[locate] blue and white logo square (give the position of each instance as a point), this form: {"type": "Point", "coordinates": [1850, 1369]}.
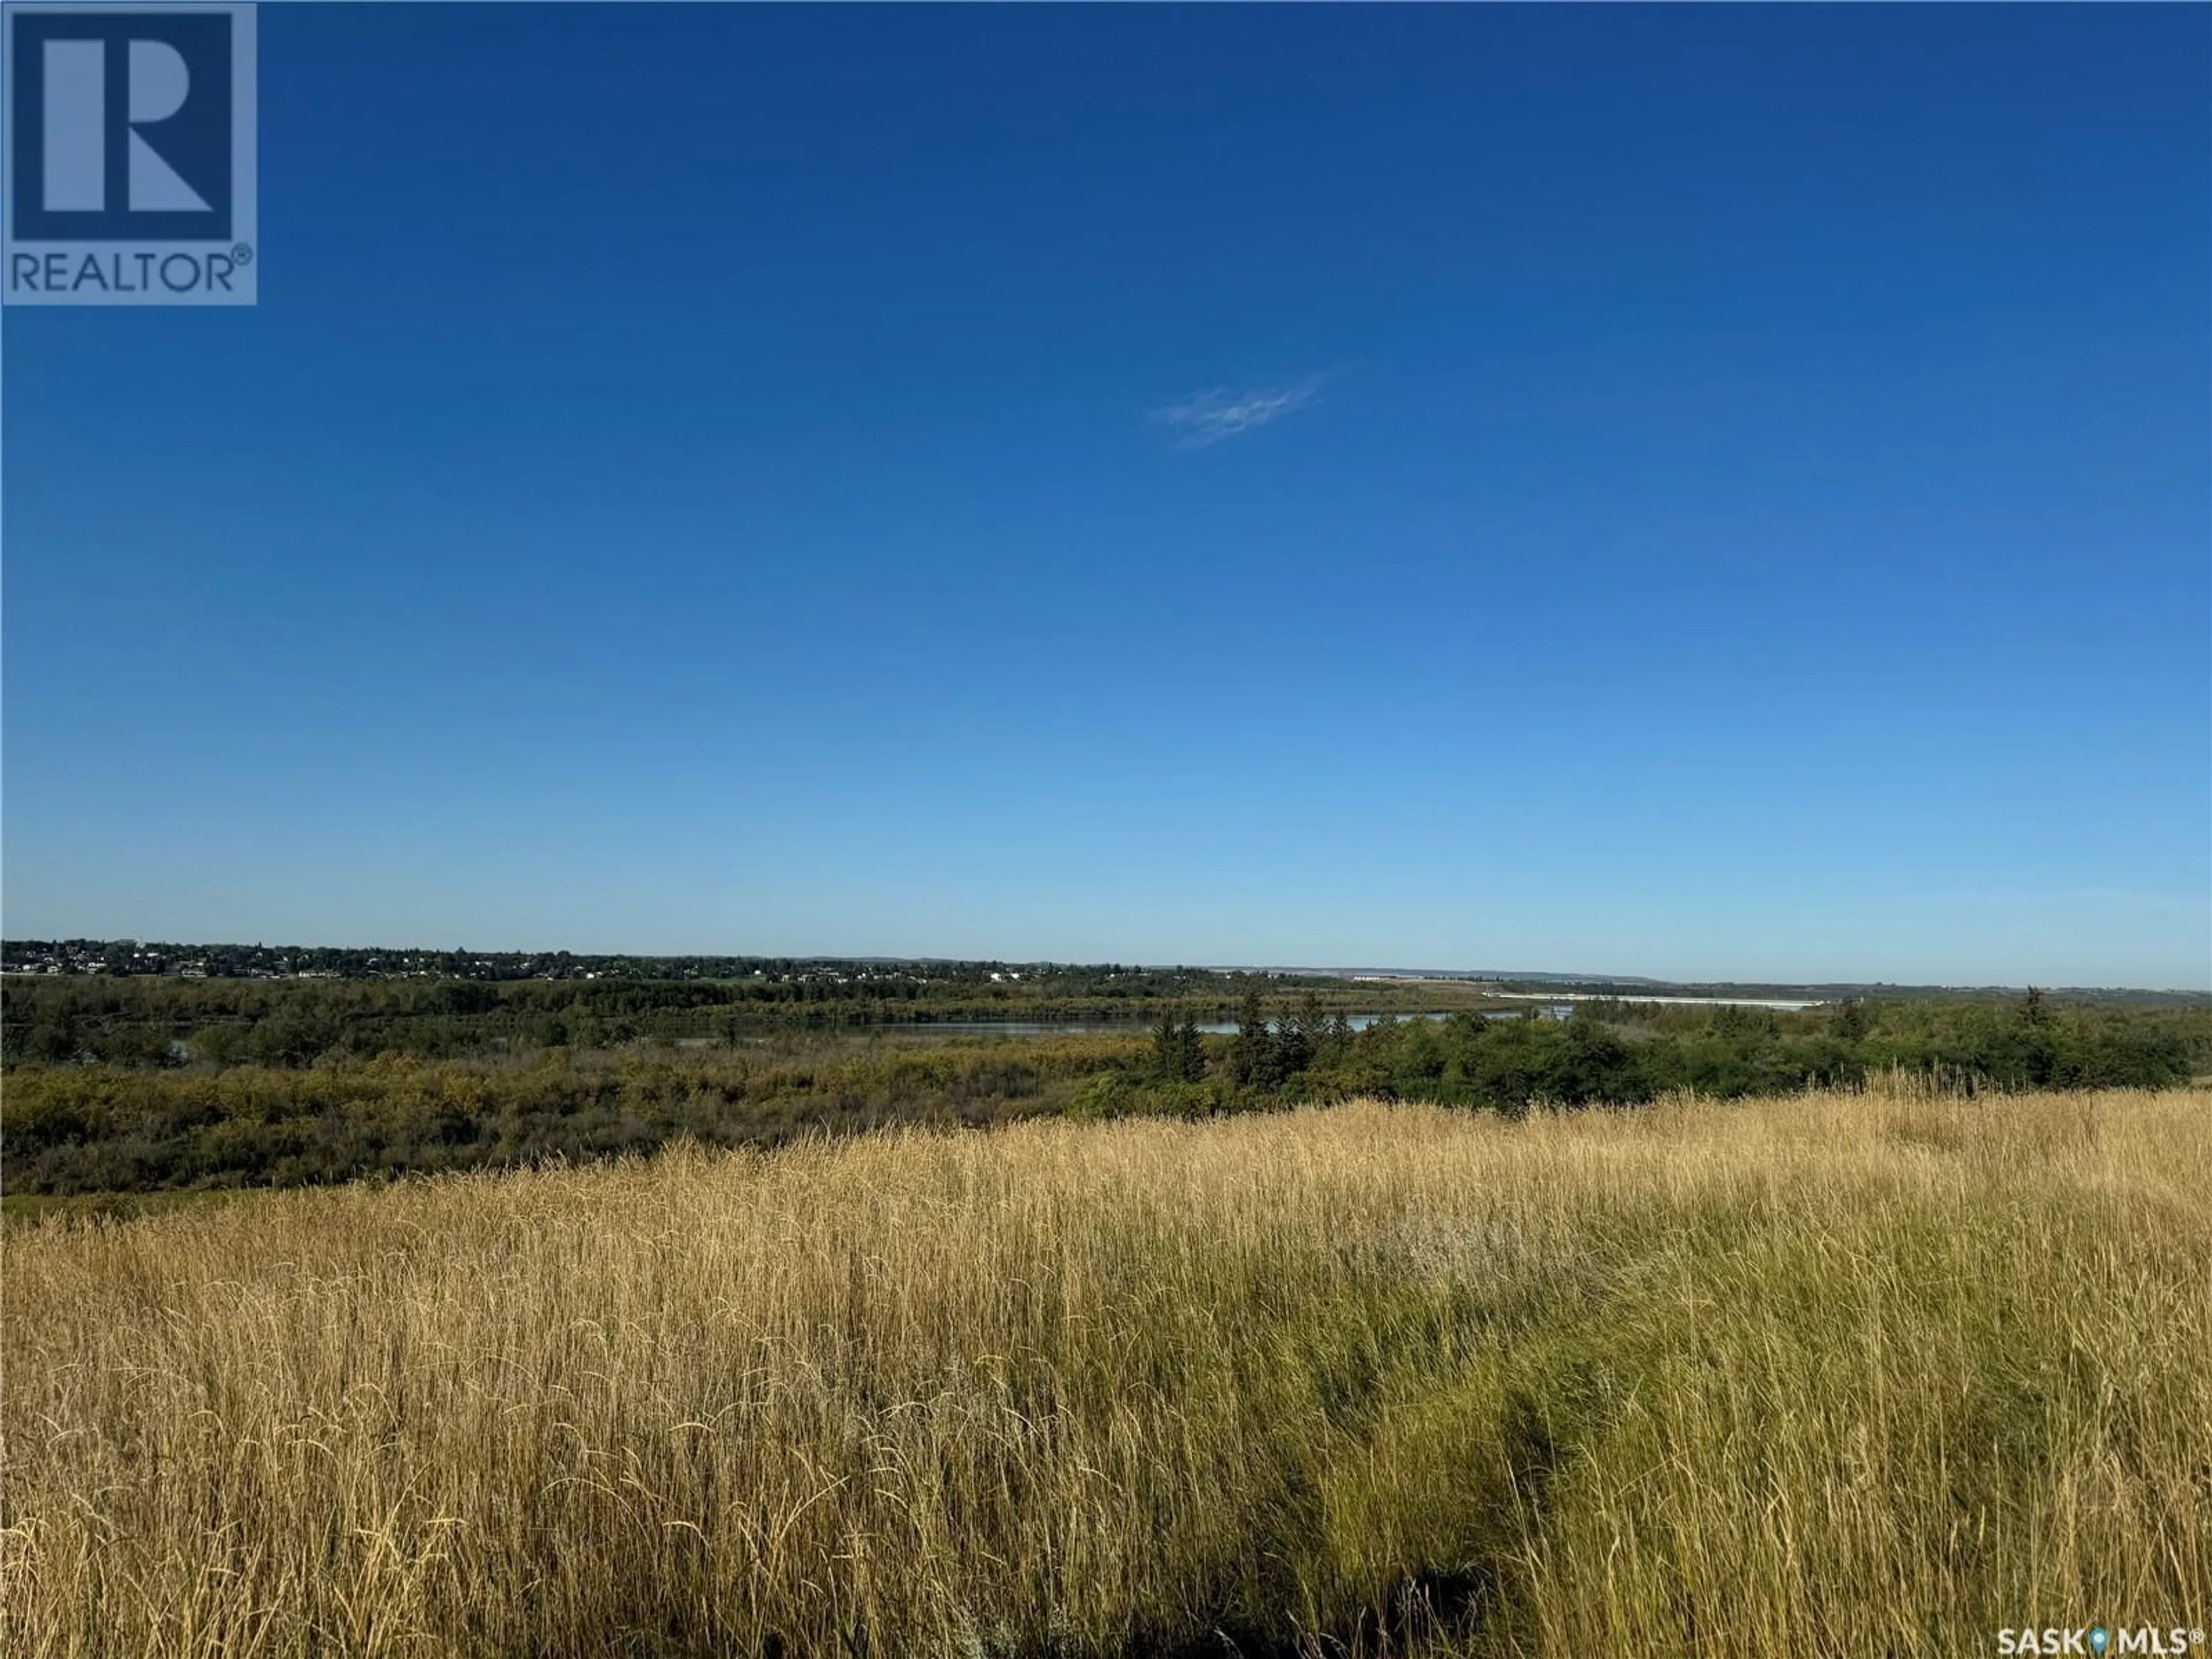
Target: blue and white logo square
{"type": "Point", "coordinates": [130, 155]}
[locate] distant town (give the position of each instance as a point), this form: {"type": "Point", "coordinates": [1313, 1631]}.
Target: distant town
{"type": "Point", "coordinates": [896, 976]}
{"type": "Point", "coordinates": [126, 957]}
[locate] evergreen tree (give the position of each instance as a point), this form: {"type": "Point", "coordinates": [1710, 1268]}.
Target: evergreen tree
{"type": "Point", "coordinates": [1336, 1035]}
{"type": "Point", "coordinates": [1190, 1049]}
{"type": "Point", "coordinates": [1295, 1036]}
{"type": "Point", "coordinates": [1178, 1051]}
{"type": "Point", "coordinates": [1252, 1057]}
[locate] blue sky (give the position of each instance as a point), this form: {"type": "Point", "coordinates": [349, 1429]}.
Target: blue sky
{"type": "Point", "coordinates": [1712, 492]}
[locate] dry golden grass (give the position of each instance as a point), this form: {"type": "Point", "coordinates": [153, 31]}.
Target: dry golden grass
{"type": "Point", "coordinates": [1840, 1375]}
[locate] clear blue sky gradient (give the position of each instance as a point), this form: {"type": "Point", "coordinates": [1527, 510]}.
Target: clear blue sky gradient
{"type": "Point", "coordinates": [696, 481]}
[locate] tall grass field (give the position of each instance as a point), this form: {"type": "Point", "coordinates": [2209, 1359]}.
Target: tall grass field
{"type": "Point", "coordinates": [1852, 1374]}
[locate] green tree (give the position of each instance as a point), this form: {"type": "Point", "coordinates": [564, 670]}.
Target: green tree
{"type": "Point", "coordinates": [1178, 1055]}
{"type": "Point", "coordinates": [1252, 1055]}
{"type": "Point", "coordinates": [1296, 1034]}
{"type": "Point", "coordinates": [53, 1040]}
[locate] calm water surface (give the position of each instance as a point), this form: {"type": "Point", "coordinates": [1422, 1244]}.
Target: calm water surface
{"type": "Point", "coordinates": [1548, 1007]}
{"type": "Point", "coordinates": [1125, 1027]}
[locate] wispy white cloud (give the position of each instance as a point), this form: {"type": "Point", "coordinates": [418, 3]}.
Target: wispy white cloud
{"type": "Point", "coordinates": [1207, 417]}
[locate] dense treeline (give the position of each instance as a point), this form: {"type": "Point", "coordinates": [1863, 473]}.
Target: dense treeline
{"type": "Point", "coordinates": [150, 1020]}
{"type": "Point", "coordinates": [80, 1127]}
{"type": "Point", "coordinates": [106, 1129]}
{"type": "Point", "coordinates": [1624, 1053]}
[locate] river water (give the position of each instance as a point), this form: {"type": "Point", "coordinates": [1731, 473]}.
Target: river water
{"type": "Point", "coordinates": [1556, 1006]}
{"type": "Point", "coordinates": [1126, 1027]}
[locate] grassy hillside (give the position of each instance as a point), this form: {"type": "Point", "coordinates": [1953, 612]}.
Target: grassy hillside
{"type": "Point", "coordinates": [1845, 1373]}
